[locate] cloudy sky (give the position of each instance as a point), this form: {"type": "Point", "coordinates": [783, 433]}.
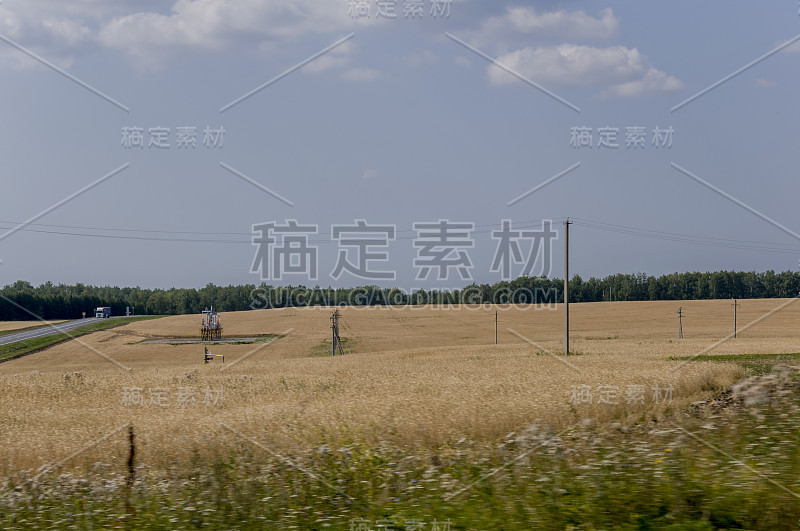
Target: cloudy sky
{"type": "Point", "coordinates": [333, 111]}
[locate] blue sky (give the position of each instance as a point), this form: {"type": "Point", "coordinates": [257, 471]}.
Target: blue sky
{"type": "Point", "coordinates": [398, 124]}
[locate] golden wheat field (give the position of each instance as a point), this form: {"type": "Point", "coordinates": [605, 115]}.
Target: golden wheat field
{"type": "Point", "coordinates": [411, 376]}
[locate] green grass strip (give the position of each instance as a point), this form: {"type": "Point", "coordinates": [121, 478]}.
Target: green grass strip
{"type": "Point", "coordinates": [29, 346]}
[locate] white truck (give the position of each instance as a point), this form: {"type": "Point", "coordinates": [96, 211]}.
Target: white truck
{"type": "Point", "coordinates": [104, 312]}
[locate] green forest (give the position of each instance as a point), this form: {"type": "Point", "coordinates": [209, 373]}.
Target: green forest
{"type": "Point", "coordinates": [23, 301]}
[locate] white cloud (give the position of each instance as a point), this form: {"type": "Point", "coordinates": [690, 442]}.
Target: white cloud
{"type": "Point", "coordinates": [564, 24]}
{"type": "Point", "coordinates": [463, 61]}
{"type": "Point", "coordinates": [55, 30]}
{"type": "Point", "coordinates": [161, 31]}
{"type": "Point", "coordinates": [56, 40]}
{"type": "Point", "coordinates": [220, 24]}
{"type": "Point", "coordinates": [370, 174]}
{"type": "Point", "coordinates": [653, 81]}
{"type": "Point", "coordinates": [362, 75]}
{"type": "Point", "coordinates": [64, 30]}
{"type": "Point", "coordinates": [765, 83]}
{"type": "Point", "coordinates": [622, 71]}
{"type": "Point", "coordinates": [561, 25]}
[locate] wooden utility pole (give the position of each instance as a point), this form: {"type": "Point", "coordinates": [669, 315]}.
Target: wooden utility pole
{"type": "Point", "coordinates": [566, 286]}
{"type": "Point", "coordinates": [680, 322]}
{"type": "Point", "coordinates": [735, 305]}
{"type": "Point", "coordinates": [495, 327]}
{"type": "Point", "coordinates": [131, 479]}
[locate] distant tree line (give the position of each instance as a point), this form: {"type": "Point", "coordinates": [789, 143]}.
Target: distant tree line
{"type": "Point", "coordinates": [686, 286]}
{"type": "Point", "coordinates": [51, 301]}
{"type": "Point", "coordinates": [61, 301]}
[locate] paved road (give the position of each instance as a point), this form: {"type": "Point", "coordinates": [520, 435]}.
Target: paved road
{"type": "Point", "coordinates": [46, 331]}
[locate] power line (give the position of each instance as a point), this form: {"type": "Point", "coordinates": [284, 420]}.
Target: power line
{"type": "Point", "coordinates": [744, 245]}
{"type": "Point", "coordinates": [143, 231]}
{"type": "Point", "coordinates": [679, 234]}
{"type": "Point", "coordinates": [407, 234]}
{"type": "Point", "coordinates": [520, 225]}
{"type": "Point", "coordinates": [123, 237]}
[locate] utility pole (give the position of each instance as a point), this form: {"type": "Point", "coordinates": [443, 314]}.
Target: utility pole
{"type": "Point", "coordinates": [495, 327]}
{"type": "Point", "coordinates": [566, 286]}
{"type": "Point", "coordinates": [735, 305]}
{"type": "Point", "coordinates": [335, 341]}
{"type": "Point", "coordinates": [680, 322]}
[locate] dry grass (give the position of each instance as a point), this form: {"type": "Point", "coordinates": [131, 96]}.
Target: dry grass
{"type": "Point", "coordinates": [418, 377]}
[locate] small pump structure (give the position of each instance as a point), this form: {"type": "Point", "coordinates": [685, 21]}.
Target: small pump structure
{"type": "Point", "coordinates": [207, 356]}
{"type": "Point", "coordinates": [211, 326]}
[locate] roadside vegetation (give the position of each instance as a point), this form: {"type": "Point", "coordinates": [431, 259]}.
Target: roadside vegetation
{"type": "Point", "coordinates": [729, 462]}
{"type": "Point", "coordinates": [29, 346]}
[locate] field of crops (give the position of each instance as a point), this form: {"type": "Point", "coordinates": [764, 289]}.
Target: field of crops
{"type": "Point", "coordinates": [415, 377]}
{"type": "Point", "coordinates": [423, 417]}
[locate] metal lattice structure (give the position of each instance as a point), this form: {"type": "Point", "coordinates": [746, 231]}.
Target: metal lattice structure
{"type": "Point", "coordinates": [211, 326]}
{"type": "Point", "coordinates": [336, 342]}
